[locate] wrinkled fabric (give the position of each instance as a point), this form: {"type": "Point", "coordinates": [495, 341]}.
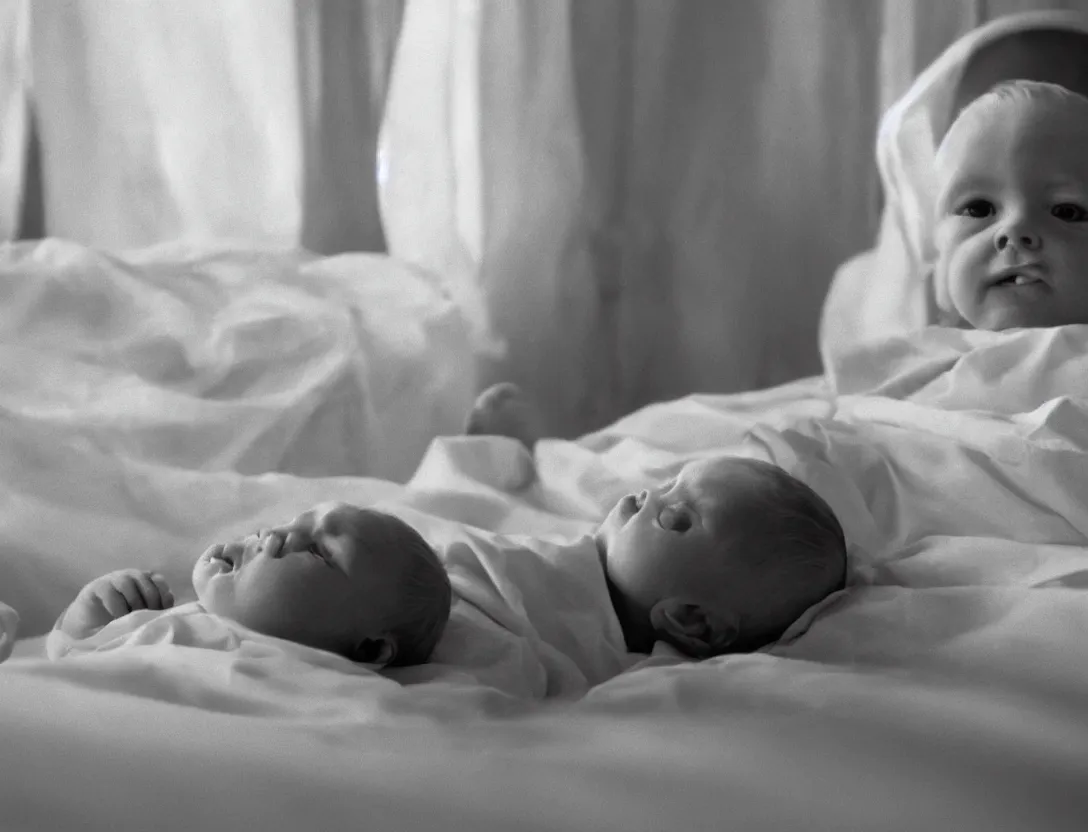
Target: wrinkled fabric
{"type": "Point", "coordinates": [235, 357]}
{"type": "Point", "coordinates": [945, 688]}
{"type": "Point", "coordinates": [1008, 372]}
{"type": "Point", "coordinates": [531, 618]}
{"type": "Point", "coordinates": [889, 290]}
{"type": "Point", "coordinates": [190, 625]}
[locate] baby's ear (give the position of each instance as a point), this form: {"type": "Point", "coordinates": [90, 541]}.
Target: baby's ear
{"type": "Point", "coordinates": [380, 651]}
{"type": "Point", "coordinates": [695, 630]}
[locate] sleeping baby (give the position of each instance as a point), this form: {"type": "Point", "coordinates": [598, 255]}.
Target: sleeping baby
{"type": "Point", "coordinates": [1012, 211]}
{"type": "Point", "coordinates": [355, 582]}
{"type": "Point", "coordinates": [722, 558]}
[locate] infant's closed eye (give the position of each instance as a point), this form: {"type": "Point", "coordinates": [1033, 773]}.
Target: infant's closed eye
{"type": "Point", "coordinates": [674, 519]}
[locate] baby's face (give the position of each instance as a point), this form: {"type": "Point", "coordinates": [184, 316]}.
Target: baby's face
{"type": "Point", "coordinates": [307, 581]}
{"type": "Point", "coordinates": [661, 541]}
{"type": "Point", "coordinates": [1012, 220]}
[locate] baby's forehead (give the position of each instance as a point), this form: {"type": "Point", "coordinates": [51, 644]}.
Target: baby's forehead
{"type": "Point", "coordinates": [721, 469]}
{"type": "Point", "coordinates": [726, 481]}
{"type": "Point", "coordinates": [346, 528]}
{"type": "Point", "coordinates": [334, 518]}
{"type": "Point", "coordinates": [359, 538]}
{"type": "Point", "coordinates": [1020, 114]}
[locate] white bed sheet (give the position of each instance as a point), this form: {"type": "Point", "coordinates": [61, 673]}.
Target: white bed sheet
{"type": "Point", "coordinates": [946, 689]}
{"type": "Point", "coordinates": [231, 357]}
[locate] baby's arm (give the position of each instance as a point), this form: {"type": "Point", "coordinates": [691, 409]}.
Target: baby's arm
{"type": "Point", "coordinates": [112, 596]}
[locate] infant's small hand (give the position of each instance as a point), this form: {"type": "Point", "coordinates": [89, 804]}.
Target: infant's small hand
{"type": "Point", "coordinates": [128, 590]}
{"type": "Point", "coordinates": [113, 596]}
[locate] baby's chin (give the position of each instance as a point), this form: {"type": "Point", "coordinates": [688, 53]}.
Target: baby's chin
{"type": "Point", "coordinates": [600, 539]}
{"type": "Point", "coordinates": [204, 570]}
{"type": "Point", "coordinates": [605, 534]}
{"type": "Point", "coordinates": [1001, 319]}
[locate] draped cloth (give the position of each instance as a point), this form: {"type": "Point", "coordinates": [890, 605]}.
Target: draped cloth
{"type": "Point", "coordinates": [889, 289]}
{"type": "Point", "coordinates": [14, 86]}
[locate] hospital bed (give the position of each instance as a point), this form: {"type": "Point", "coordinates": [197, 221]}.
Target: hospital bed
{"type": "Point", "coordinates": [946, 688]}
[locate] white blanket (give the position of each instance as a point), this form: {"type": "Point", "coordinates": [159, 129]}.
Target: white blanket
{"type": "Point", "coordinates": [234, 358]}
{"type": "Point", "coordinates": [946, 689]}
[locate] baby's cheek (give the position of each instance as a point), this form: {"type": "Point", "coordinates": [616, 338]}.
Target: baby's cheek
{"type": "Point", "coordinates": [941, 234]}
{"type": "Point", "coordinates": [962, 261]}
{"type": "Point", "coordinates": [214, 596]}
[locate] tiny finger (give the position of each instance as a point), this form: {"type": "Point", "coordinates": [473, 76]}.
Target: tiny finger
{"type": "Point", "coordinates": [165, 595]}
{"type": "Point", "coordinates": [131, 592]}
{"type": "Point", "coordinates": [113, 601]}
{"type": "Point", "coordinates": [149, 590]}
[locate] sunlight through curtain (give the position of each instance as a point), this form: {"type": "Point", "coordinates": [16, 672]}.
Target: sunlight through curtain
{"type": "Point", "coordinates": [652, 195]}
{"type": "Point", "coordinates": [647, 198]}
{"type": "Point", "coordinates": [212, 119]}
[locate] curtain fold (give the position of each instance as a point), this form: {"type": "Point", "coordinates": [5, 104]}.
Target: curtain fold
{"type": "Point", "coordinates": [651, 196]}
{"type": "Point", "coordinates": [345, 51]}
{"type": "Point", "coordinates": [14, 113]}
{"type": "Point", "coordinates": [639, 198]}
{"type": "Point", "coordinates": [483, 182]}
{"type": "Point", "coordinates": [167, 120]}
{"type": "Point", "coordinates": [212, 119]}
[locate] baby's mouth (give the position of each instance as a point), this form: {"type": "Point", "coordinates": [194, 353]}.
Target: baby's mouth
{"type": "Point", "coordinates": [632, 504]}
{"type": "Point", "coordinates": [230, 554]}
{"type": "Point", "coordinates": [223, 557]}
{"type": "Point", "coordinates": [1017, 280]}
{"type": "Point", "coordinates": [1025, 275]}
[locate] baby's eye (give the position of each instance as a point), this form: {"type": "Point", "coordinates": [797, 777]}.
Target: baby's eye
{"type": "Point", "coordinates": [977, 208]}
{"type": "Point", "coordinates": [315, 550]}
{"type": "Point", "coordinates": [1069, 212]}
{"type": "Point", "coordinates": [674, 519]}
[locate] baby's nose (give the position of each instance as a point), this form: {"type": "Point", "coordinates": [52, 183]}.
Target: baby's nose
{"type": "Point", "coordinates": [1020, 237]}
{"type": "Point", "coordinates": [292, 541]}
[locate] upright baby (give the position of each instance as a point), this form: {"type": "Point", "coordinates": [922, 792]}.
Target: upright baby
{"type": "Point", "coordinates": [1012, 208]}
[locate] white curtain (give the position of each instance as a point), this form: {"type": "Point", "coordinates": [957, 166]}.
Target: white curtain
{"type": "Point", "coordinates": [14, 105]}
{"type": "Point", "coordinates": [202, 119]}
{"type": "Point", "coordinates": [651, 195]}
{"type": "Point", "coordinates": [165, 120]}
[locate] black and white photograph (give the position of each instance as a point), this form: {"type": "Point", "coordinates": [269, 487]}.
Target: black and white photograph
{"type": "Point", "coordinates": [544, 415]}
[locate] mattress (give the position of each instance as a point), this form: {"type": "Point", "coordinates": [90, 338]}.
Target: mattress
{"type": "Point", "coordinates": [945, 688]}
